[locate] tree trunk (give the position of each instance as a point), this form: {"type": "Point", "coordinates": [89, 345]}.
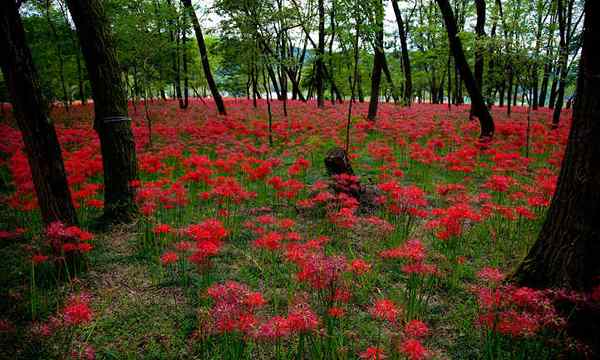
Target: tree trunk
{"type": "Point", "coordinates": [566, 251]}
{"type": "Point", "coordinates": [405, 58]}
{"type": "Point", "coordinates": [480, 109]}
{"type": "Point", "coordinates": [186, 82]}
{"type": "Point", "coordinates": [378, 61]}
{"type": "Point", "coordinates": [319, 73]}
{"type": "Point", "coordinates": [388, 77]}
{"type": "Point", "coordinates": [110, 104]}
{"type": "Point", "coordinates": [480, 32]}
{"type": "Point", "coordinates": [204, 57]}
{"type": "Point", "coordinates": [31, 112]}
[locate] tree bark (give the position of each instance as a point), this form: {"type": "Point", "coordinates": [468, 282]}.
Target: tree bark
{"type": "Point", "coordinates": [184, 55]}
{"type": "Point", "coordinates": [564, 15]}
{"type": "Point", "coordinates": [31, 112]}
{"type": "Point", "coordinates": [204, 57]}
{"type": "Point", "coordinates": [480, 109]}
{"type": "Point", "coordinates": [319, 73]}
{"type": "Point", "coordinates": [378, 61]}
{"type": "Point", "coordinates": [110, 104]}
{"type": "Point", "coordinates": [405, 58]}
{"type": "Point", "coordinates": [480, 32]}
{"type": "Point", "coordinates": [566, 251]}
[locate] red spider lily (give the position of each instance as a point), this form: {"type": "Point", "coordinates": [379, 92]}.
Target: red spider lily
{"type": "Point", "coordinates": [77, 311]}
{"type": "Point", "coordinates": [411, 250]}
{"type": "Point", "coordinates": [413, 349]}
{"type": "Point", "coordinates": [234, 307]}
{"type": "Point", "coordinates": [385, 309]}
{"type": "Point", "coordinates": [360, 266]}
{"type": "Point", "coordinates": [270, 241]}
{"type": "Point", "coordinates": [162, 229]}
{"type": "Point", "coordinates": [416, 329]}
{"type": "Point", "coordinates": [320, 271]}
{"type": "Point", "coordinates": [372, 353]}
{"type": "Point", "coordinates": [491, 274]}
{"type": "Point", "coordinates": [302, 319]}
{"type": "Point", "coordinates": [336, 312]}
{"type": "Point", "coordinates": [168, 258]}
{"type": "Point", "coordinates": [39, 259]}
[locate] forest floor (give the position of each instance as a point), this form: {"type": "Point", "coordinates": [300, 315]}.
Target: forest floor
{"type": "Point", "coordinates": [243, 250]}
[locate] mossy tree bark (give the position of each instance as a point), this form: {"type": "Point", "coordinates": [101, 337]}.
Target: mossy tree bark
{"type": "Point", "coordinates": [31, 112]}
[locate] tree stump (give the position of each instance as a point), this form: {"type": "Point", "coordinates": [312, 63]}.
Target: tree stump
{"type": "Point", "coordinates": [337, 162]}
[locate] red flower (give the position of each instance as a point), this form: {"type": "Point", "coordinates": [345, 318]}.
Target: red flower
{"type": "Point", "coordinates": [491, 274]}
{"type": "Point", "coordinates": [413, 349]}
{"type": "Point", "coordinates": [77, 312]}
{"type": "Point", "coordinates": [39, 258]}
{"type": "Point", "coordinates": [416, 329]}
{"type": "Point", "coordinates": [162, 229]}
{"type": "Point", "coordinates": [372, 353]}
{"type": "Point", "coordinates": [168, 258]}
{"type": "Point", "coordinates": [360, 266]}
{"type": "Point", "coordinates": [336, 312]}
{"type": "Point", "coordinates": [385, 309]}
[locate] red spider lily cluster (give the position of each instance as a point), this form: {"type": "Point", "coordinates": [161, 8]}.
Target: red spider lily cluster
{"type": "Point", "coordinates": [206, 179]}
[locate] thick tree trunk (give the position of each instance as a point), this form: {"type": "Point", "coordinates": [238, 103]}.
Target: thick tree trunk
{"type": "Point", "coordinates": [566, 252]}
{"type": "Point", "coordinates": [480, 109]}
{"type": "Point", "coordinates": [31, 112]}
{"type": "Point", "coordinates": [110, 104]}
{"type": "Point", "coordinates": [204, 57]}
{"type": "Point", "coordinates": [405, 58]}
{"type": "Point", "coordinates": [319, 73]}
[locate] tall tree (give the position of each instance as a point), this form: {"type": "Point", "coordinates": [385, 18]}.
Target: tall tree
{"type": "Point", "coordinates": [31, 112]}
{"type": "Point", "coordinates": [479, 108]}
{"type": "Point", "coordinates": [480, 32]}
{"type": "Point", "coordinates": [110, 105]}
{"type": "Point", "coordinates": [565, 254]}
{"type": "Point", "coordinates": [187, 4]}
{"type": "Point", "coordinates": [319, 64]}
{"type": "Point", "coordinates": [378, 61]}
{"type": "Point", "coordinates": [567, 248]}
{"type": "Point", "coordinates": [402, 32]}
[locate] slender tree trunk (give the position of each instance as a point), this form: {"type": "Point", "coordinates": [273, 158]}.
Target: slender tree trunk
{"type": "Point", "coordinates": [405, 58]}
{"type": "Point", "coordinates": [174, 38]}
{"type": "Point", "coordinates": [509, 96]}
{"type": "Point", "coordinates": [544, 86]}
{"type": "Point", "coordinates": [319, 73]}
{"type": "Point", "coordinates": [388, 77]}
{"type": "Point", "coordinates": [566, 252]}
{"type": "Point", "coordinates": [31, 112]}
{"type": "Point", "coordinates": [59, 55]}
{"type": "Point", "coordinates": [379, 59]}
{"type": "Point", "coordinates": [273, 78]}
{"type": "Point", "coordinates": [479, 48]}
{"type": "Point", "coordinates": [204, 57]}
{"type": "Point", "coordinates": [481, 110]}
{"type": "Point", "coordinates": [361, 95]}
{"type": "Point", "coordinates": [186, 83]}
{"type": "Point", "coordinates": [553, 91]}
{"type": "Point", "coordinates": [110, 104]}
